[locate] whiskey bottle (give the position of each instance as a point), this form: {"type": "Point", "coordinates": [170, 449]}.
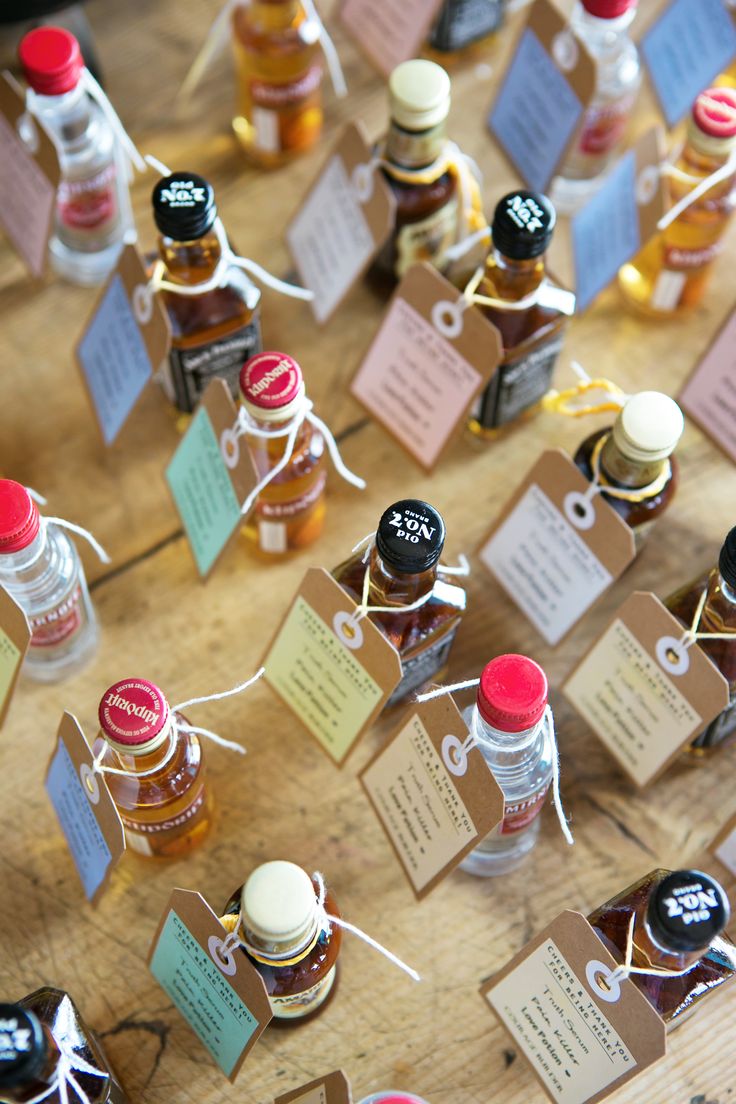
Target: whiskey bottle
{"type": "Point", "coordinates": [526, 306]}
{"type": "Point", "coordinates": [464, 23]}
{"type": "Point", "coordinates": [402, 569]}
{"type": "Point", "coordinates": [43, 1038]}
{"type": "Point", "coordinates": [212, 334]}
{"type": "Point", "coordinates": [678, 920]}
{"type": "Point", "coordinates": [670, 274]}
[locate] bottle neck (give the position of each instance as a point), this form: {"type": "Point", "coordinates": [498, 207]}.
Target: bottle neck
{"type": "Point", "coordinates": [601, 36]}
{"type": "Point", "coordinates": [68, 116]}
{"type": "Point", "coordinates": [625, 472]}
{"type": "Point", "coordinates": [525, 742]}
{"type": "Point", "coordinates": [719, 611]}
{"type": "Point", "coordinates": [284, 951]}
{"type": "Point", "coordinates": [273, 15]}
{"type": "Point", "coordinates": [139, 762]}
{"type": "Point", "coordinates": [514, 279]}
{"type": "Point", "coordinates": [649, 951]}
{"type": "Point", "coordinates": [390, 587]}
{"type": "Point", "coordinates": [414, 149]}
{"type": "Point", "coordinates": [192, 262]}
{"type": "Point", "coordinates": [31, 561]}
{"type": "Point", "coordinates": [702, 156]}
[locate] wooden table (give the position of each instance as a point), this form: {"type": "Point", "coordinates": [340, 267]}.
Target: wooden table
{"type": "Point", "coordinates": [285, 799]}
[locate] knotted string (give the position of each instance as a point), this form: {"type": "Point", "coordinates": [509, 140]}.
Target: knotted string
{"type": "Point", "coordinates": [701, 184]}
{"type": "Point", "coordinates": [363, 608]}
{"type": "Point", "coordinates": [62, 523]}
{"type": "Point", "coordinates": [546, 293]}
{"type": "Point", "coordinates": [69, 1063]}
{"type": "Point", "coordinates": [622, 972]}
{"type": "Point", "coordinates": [691, 636]}
{"type": "Point", "coordinates": [561, 402]}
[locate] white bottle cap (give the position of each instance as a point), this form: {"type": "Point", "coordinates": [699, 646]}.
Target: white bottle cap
{"type": "Point", "coordinates": [278, 902]}
{"type": "Point", "coordinates": [649, 427]}
{"type": "Point", "coordinates": [419, 93]}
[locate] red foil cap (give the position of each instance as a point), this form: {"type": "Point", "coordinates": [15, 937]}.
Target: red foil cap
{"type": "Point", "coordinates": [608, 9]}
{"type": "Point", "coordinates": [714, 112]}
{"type": "Point", "coordinates": [512, 694]}
{"type": "Point", "coordinates": [19, 520]}
{"type": "Point", "coordinates": [270, 380]}
{"type": "Point", "coordinates": [132, 712]}
{"type": "Point", "coordinates": [51, 60]}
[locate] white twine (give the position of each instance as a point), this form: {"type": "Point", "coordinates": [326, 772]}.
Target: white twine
{"type": "Point", "coordinates": [708, 182]}
{"type": "Point", "coordinates": [363, 608]}
{"type": "Point", "coordinates": [622, 972]}
{"type": "Point", "coordinates": [69, 1063]}
{"type": "Point", "coordinates": [691, 636]}
{"type": "Point", "coordinates": [563, 300]}
{"type": "Point", "coordinates": [158, 166]}
{"type": "Point", "coordinates": [81, 532]}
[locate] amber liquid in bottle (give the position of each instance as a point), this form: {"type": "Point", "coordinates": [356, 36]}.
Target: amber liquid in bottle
{"type": "Point", "coordinates": [279, 74]}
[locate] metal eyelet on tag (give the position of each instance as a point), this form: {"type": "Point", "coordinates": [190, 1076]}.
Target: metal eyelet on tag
{"type": "Point", "coordinates": [612, 991]}
{"type": "Point", "coordinates": [142, 303]}
{"type": "Point", "coordinates": [362, 181]}
{"type": "Point", "coordinates": [28, 132]}
{"type": "Point", "coordinates": [348, 630]}
{"type": "Point", "coordinates": [565, 50]}
{"type": "Point", "coordinates": [668, 647]}
{"type": "Point", "coordinates": [222, 956]}
{"type": "Point", "coordinates": [229, 448]}
{"type": "Point", "coordinates": [454, 755]}
{"type": "Point", "coordinates": [90, 783]}
{"type": "Point", "coordinates": [447, 318]}
{"type": "Point", "coordinates": [647, 185]}
{"type": "Point", "coordinates": [579, 510]}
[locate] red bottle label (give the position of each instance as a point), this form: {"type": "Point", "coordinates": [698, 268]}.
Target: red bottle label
{"type": "Point", "coordinates": [88, 203]}
{"type": "Point", "coordinates": [275, 96]}
{"type": "Point", "coordinates": [522, 813]}
{"type": "Point", "coordinates": [604, 126]}
{"type": "Point", "coordinates": [58, 624]}
{"type": "Point", "coordinates": [675, 257]}
{"type": "Point", "coordinates": [282, 511]}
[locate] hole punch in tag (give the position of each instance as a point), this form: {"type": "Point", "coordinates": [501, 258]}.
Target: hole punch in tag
{"type": "Point", "coordinates": [579, 510]}
{"type": "Point", "coordinates": [454, 755]}
{"type": "Point", "coordinates": [90, 783]}
{"type": "Point", "coordinates": [222, 955]}
{"type": "Point", "coordinates": [672, 656]}
{"type": "Point", "coordinates": [598, 976]}
{"type": "Point", "coordinates": [348, 630]}
{"type": "Point", "coordinates": [565, 50]}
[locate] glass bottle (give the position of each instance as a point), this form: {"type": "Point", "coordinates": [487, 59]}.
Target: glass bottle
{"type": "Point", "coordinates": [289, 513]}
{"type": "Point", "coordinates": [463, 23]}
{"type": "Point", "coordinates": [603, 28]}
{"type": "Point", "coordinates": [678, 920]}
{"type": "Point", "coordinates": [40, 568]}
{"type": "Point", "coordinates": [523, 224]}
{"type": "Point", "coordinates": [163, 798]}
{"type": "Point", "coordinates": [718, 616]}
{"type": "Point", "coordinates": [36, 1031]}
{"type": "Point", "coordinates": [635, 455]}
{"type": "Point", "coordinates": [670, 274]}
{"type": "Point", "coordinates": [279, 75]}
{"type": "Point", "coordinates": [212, 334]}
{"type": "Point", "coordinates": [277, 917]}
{"type": "Point", "coordinates": [92, 201]}
{"type": "Point", "coordinates": [515, 741]}
{"type": "Point", "coordinates": [403, 566]}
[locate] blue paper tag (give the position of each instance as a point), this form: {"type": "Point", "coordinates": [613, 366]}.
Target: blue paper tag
{"type": "Point", "coordinates": [87, 845]}
{"type": "Point", "coordinates": [690, 44]}
{"type": "Point", "coordinates": [605, 233]}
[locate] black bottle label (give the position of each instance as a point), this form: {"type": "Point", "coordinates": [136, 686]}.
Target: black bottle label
{"type": "Point", "coordinates": [192, 369]}
{"type": "Point", "coordinates": [420, 668]}
{"type": "Point", "coordinates": [517, 384]}
{"type": "Point", "coordinates": [461, 22]}
{"type": "Point", "coordinates": [718, 730]}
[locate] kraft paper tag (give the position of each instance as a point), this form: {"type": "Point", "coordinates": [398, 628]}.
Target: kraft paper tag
{"type": "Point", "coordinates": [29, 176]}
{"type": "Point", "coordinates": [644, 695]}
{"type": "Point", "coordinates": [210, 476]}
{"type": "Point", "coordinates": [709, 396]}
{"type": "Point", "coordinates": [389, 31]}
{"type": "Point", "coordinates": [342, 223]}
{"type": "Point", "coordinates": [690, 43]}
{"type": "Point", "coordinates": [723, 847]}
{"type": "Point", "coordinates": [126, 338]}
{"type": "Point", "coordinates": [547, 86]}
{"type": "Point", "coordinates": [553, 551]}
{"type": "Point", "coordinates": [334, 673]}
{"type": "Point", "coordinates": [84, 806]}
{"type": "Point", "coordinates": [217, 991]}
{"type": "Point", "coordinates": [15, 636]}
{"type": "Point", "coordinates": [620, 218]}
{"type": "Point", "coordinates": [581, 1040]}
{"type": "Point", "coordinates": [332, 1089]}
{"type": "Point", "coordinates": [435, 800]}
{"type": "Point", "coordinates": [426, 364]}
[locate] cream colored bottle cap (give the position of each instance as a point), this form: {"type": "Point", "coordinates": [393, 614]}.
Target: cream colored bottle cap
{"type": "Point", "coordinates": [419, 93]}
{"type": "Point", "coordinates": [649, 427]}
{"type": "Point", "coordinates": [278, 902]}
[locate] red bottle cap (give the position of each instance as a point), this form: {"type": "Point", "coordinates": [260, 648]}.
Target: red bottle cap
{"type": "Point", "coordinates": [51, 60]}
{"type": "Point", "coordinates": [512, 694]}
{"type": "Point", "coordinates": [608, 9]}
{"type": "Point", "coordinates": [714, 112]}
{"type": "Point", "coordinates": [270, 380]}
{"type": "Point", "coordinates": [132, 712]}
{"type": "Point", "coordinates": [19, 520]}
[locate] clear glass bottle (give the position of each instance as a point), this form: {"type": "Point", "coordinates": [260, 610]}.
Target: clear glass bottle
{"type": "Point", "coordinates": [289, 513]}
{"type": "Point", "coordinates": [37, 1030]}
{"type": "Point", "coordinates": [718, 616]}
{"type": "Point", "coordinates": [464, 23]}
{"type": "Point", "coordinates": [163, 798]}
{"type": "Point", "coordinates": [678, 920]}
{"type": "Point", "coordinates": [403, 566]}
{"type": "Point", "coordinates": [279, 73]}
{"type": "Point", "coordinates": [92, 202]}
{"type": "Point", "coordinates": [603, 27]}
{"type": "Point", "coordinates": [212, 334]}
{"type": "Point", "coordinates": [277, 917]}
{"type": "Point", "coordinates": [532, 336]}
{"type": "Point", "coordinates": [670, 274]}
{"type": "Point", "coordinates": [515, 741]}
{"type": "Point", "coordinates": [40, 568]}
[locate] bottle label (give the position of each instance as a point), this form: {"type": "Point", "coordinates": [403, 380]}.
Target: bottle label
{"type": "Point", "coordinates": [192, 369]}
{"type": "Point", "coordinates": [517, 385]}
{"type": "Point", "coordinates": [301, 1004]}
{"type": "Point", "coordinates": [680, 259]}
{"type": "Point", "coordinates": [284, 511]}
{"type": "Point", "coordinates": [419, 668]}
{"type": "Point", "coordinates": [604, 125]}
{"type": "Point", "coordinates": [426, 240]}
{"type": "Point", "coordinates": [141, 830]}
{"type": "Point", "coordinates": [462, 22]}
{"type": "Point", "coordinates": [89, 202]}
{"type": "Point", "coordinates": [59, 623]}
{"type": "Point", "coordinates": [519, 815]}
{"type": "Point", "coordinates": [277, 96]}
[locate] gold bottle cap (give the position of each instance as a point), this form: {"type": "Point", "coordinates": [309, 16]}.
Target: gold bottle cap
{"type": "Point", "coordinates": [278, 902]}
{"type": "Point", "coordinates": [419, 93]}
{"type": "Point", "coordinates": [649, 427]}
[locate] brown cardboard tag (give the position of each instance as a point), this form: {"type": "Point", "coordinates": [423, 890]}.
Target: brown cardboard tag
{"type": "Point", "coordinates": [334, 673]}
{"type": "Point", "coordinates": [581, 1040]}
{"type": "Point", "coordinates": [553, 551]}
{"type": "Point", "coordinates": [435, 799]}
{"type": "Point", "coordinates": [389, 31]}
{"type": "Point", "coordinates": [709, 396]}
{"type": "Point", "coordinates": [29, 176]}
{"type": "Point", "coordinates": [216, 988]}
{"type": "Point", "coordinates": [723, 847]}
{"type": "Point", "coordinates": [332, 1089]}
{"type": "Point", "coordinates": [342, 222]}
{"type": "Point", "coordinates": [125, 340]}
{"type": "Point", "coordinates": [15, 636]}
{"type": "Point", "coordinates": [87, 814]}
{"type": "Point", "coordinates": [210, 476]}
{"type": "Point", "coordinates": [431, 356]}
{"type": "Point", "coordinates": [644, 696]}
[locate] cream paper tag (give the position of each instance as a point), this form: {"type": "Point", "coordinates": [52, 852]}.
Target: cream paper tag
{"type": "Point", "coordinates": [553, 550]}
{"type": "Point", "coordinates": [581, 1040]}
{"type": "Point", "coordinates": [435, 800]}
{"type": "Point", "coordinates": [332, 1089]}
{"type": "Point", "coordinates": [342, 222]}
{"type": "Point", "coordinates": [389, 31]}
{"type": "Point", "coordinates": [335, 673]}
{"type": "Point", "coordinates": [644, 695]}
{"type": "Point", "coordinates": [723, 847]}
{"type": "Point", "coordinates": [430, 358]}
{"type": "Point", "coordinates": [15, 637]}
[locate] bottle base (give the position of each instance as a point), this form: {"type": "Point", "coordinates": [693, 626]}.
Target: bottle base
{"type": "Point", "coordinates": [488, 864]}
{"type": "Point", "coordinates": [84, 269]}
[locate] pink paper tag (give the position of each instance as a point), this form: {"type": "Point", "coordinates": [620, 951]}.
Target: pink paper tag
{"type": "Point", "coordinates": [389, 31]}
{"type": "Point", "coordinates": [709, 396]}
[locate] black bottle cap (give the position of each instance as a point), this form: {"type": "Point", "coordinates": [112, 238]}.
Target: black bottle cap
{"type": "Point", "coordinates": [410, 536]}
{"type": "Point", "coordinates": [686, 911]}
{"type": "Point", "coordinates": [183, 206]}
{"type": "Point", "coordinates": [523, 223]}
{"type": "Point", "coordinates": [727, 560]}
{"type": "Point", "coordinates": [23, 1048]}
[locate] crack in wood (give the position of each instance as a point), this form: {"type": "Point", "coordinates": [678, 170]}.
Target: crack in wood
{"type": "Point", "coordinates": [623, 828]}
{"type": "Point", "coordinates": [158, 1028]}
